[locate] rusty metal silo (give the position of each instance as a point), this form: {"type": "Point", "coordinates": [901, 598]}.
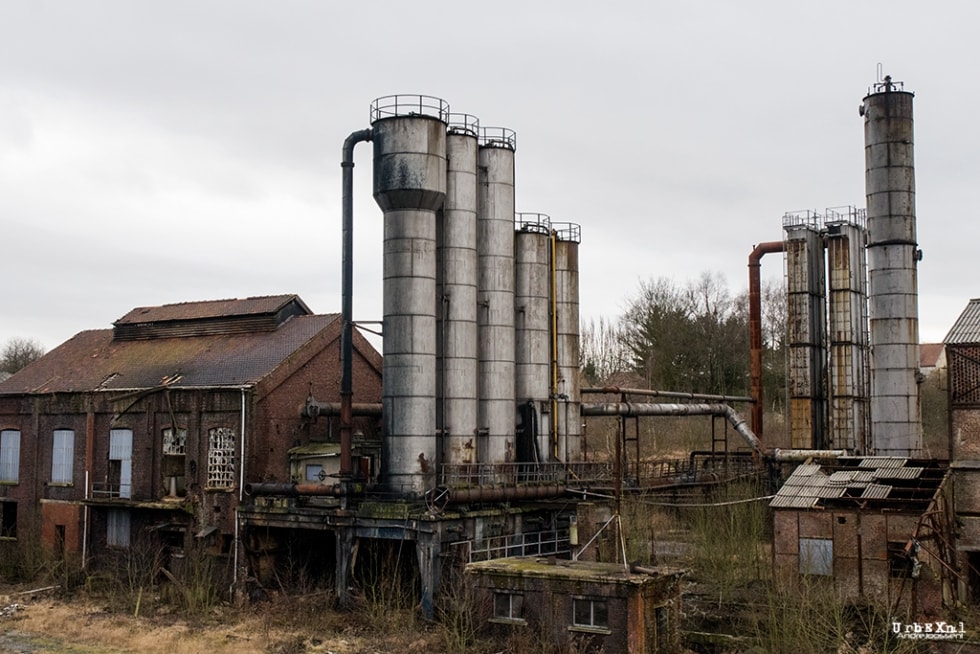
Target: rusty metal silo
{"type": "Point", "coordinates": [893, 254]}
{"type": "Point", "coordinates": [409, 135]}
{"type": "Point", "coordinates": [847, 328]}
{"type": "Point", "coordinates": [806, 318]}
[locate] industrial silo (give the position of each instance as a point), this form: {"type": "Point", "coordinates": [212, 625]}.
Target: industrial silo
{"type": "Point", "coordinates": [532, 332]}
{"type": "Point", "coordinates": [568, 400]}
{"type": "Point", "coordinates": [806, 316]}
{"type": "Point", "coordinates": [456, 414]}
{"type": "Point", "coordinates": [892, 258]}
{"type": "Point", "coordinates": [409, 135]}
{"type": "Point", "coordinates": [495, 294]}
{"type": "Point", "coordinates": [847, 320]}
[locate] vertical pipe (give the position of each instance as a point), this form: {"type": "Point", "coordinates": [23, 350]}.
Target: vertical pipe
{"type": "Point", "coordinates": [755, 328]}
{"type": "Point", "coordinates": [892, 259]}
{"type": "Point", "coordinates": [347, 302]}
{"type": "Point", "coordinates": [569, 235]}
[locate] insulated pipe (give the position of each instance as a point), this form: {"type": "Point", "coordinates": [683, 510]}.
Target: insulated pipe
{"type": "Point", "coordinates": [296, 490]}
{"type": "Point", "coordinates": [500, 493]}
{"type": "Point", "coordinates": [312, 409]}
{"type": "Point", "coordinates": [791, 455]}
{"type": "Point", "coordinates": [755, 327]}
{"type": "Point", "coordinates": [347, 304]}
{"type": "Point", "coordinates": [618, 390]}
{"type": "Point", "coordinates": [629, 409]}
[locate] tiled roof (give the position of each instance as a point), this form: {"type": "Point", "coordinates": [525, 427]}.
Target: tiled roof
{"type": "Point", "coordinates": [210, 309]}
{"type": "Point", "coordinates": [892, 482]}
{"type": "Point", "coordinates": [93, 360]}
{"type": "Point", "coordinates": [966, 329]}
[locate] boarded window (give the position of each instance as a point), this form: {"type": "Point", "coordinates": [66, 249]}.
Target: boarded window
{"type": "Point", "coordinates": [10, 456]}
{"type": "Point", "coordinates": [221, 458]}
{"type": "Point", "coordinates": [62, 456]}
{"type": "Point", "coordinates": [816, 556]}
{"type": "Point", "coordinates": [117, 528]}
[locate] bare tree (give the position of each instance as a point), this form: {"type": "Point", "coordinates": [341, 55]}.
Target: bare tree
{"type": "Point", "coordinates": [18, 353]}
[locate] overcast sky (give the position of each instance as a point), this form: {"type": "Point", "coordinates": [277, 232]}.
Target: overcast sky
{"type": "Point", "coordinates": [170, 151]}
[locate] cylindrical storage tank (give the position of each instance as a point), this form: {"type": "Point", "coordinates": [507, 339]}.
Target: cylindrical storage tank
{"type": "Point", "coordinates": [806, 319]}
{"type": "Point", "coordinates": [532, 333]}
{"type": "Point", "coordinates": [456, 407]}
{"type": "Point", "coordinates": [409, 135]}
{"type": "Point", "coordinates": [847, 289]}
{"type": "Point", "coordinates": [892, 285]}
{"type": "Point", "coordinates": [495, 295]}
{"type": "Point", "coordinates": [567, 388]}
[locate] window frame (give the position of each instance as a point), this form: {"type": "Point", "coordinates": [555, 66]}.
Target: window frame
{"type": "Point", "coordinates": [10, 456]}
{"type": "Point", "coordinates": [515, 607]}
{"type": "Point", "coordinates": [63, 458]}
{"type": "Point", "coordinates": [816, 557]}
{"type": "Point", "coordinates": [8, 519]}
{"type": "Point", "coordinates": [221, 459]}
{"type": "Point", "coordinates": [594, 625]}
{"type": "Point", "coordinates": [119, 528]}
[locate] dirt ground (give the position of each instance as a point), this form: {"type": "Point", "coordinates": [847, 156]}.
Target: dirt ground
{"type": "Point", "coordinates": [43, 624]}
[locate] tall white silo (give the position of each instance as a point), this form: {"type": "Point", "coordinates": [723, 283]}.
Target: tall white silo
{"type": "Point", "coordinates": [457, 279]}
{"type": "Point", "coordinates": [532, 330]}
{"type": "Point", "coordinates": [409, 135]}
{"type": "Point", "coordinates": [495, 294]}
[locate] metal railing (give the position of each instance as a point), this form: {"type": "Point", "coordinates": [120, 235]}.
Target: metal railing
{"type": "Point", "coordinates": [102, 489]}
{"type": "Point", "coordinates": [538, 543]}
{"type": "Point", "coordinates": [469, 475]}
{"type": "Point", "coordinates": [390, 106]}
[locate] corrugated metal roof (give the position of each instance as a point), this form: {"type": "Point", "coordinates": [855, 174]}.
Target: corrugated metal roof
{"type": "Point", "coordinates": [966, 329]}
{"type": "Point", "coordinates": [898, 473]}
{"type": "Point", "coordinates": [876, 462]}
{"type": "Point", "coordinates": [876, 491]}
{"type": "Point", "coordinates": [92, 360]}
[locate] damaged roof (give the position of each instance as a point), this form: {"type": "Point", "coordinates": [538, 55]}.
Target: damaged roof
{"type": "Point", "coordinates": [872, 482]}
{"type": "Point", "coordinates": [966, 329]}
{"type": "Point", "coordinates": [238, 352]}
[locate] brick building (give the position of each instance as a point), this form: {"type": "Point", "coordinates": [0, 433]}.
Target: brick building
{"type": "Point", "coordinates": [151, 428]}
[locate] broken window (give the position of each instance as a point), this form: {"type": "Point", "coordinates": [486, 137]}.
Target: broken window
{"type": "Point", "coordinates": [117, 528]}
{"type": "Point", "coordinates": [8, 519]}
{"type": "Point", "coordinates": [62, 456]}
{"type": "Point", "coordinates": [10, 456]}
{"type": "Point", "coordinates": [817, 556]}
{"type": "Point", "coordinates": [590, 613]}
{"type": "Point", "coordinates": [508, 607]}
{"type": "Point", "coordinates": [120, 463]}
{"type": "Point", "coordinates": [174, 442]}
{"type": "Point", "coordinates": [221, 458]}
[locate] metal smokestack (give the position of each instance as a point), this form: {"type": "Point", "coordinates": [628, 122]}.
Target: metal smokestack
{"type": "Point", "coordinates": [892, 255]}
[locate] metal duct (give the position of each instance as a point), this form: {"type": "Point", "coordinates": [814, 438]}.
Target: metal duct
{"type": "Point", "coordinates": [409, 186]}
{"type": "Point", "coordinates": [456, 288]}
{"type": "Point", "coordinates": [495, 309]}
{"type": "Point", "coordinates": [806, 318]}
{"type": "Point", "coordinates": [532, 332]}
{"type": "Point", "coordinates": [755, 328]}
{"type": "Point", "coordinates": [892, 258]}
{"type": "Point", "coordinates": [566, 242]}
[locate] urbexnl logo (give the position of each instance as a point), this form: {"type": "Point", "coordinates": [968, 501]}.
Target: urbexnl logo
{"type": "Point", "coordinates": [928, 630]}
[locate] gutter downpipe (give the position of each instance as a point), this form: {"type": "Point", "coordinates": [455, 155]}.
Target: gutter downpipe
{"type": "Point", "coordinates": [755, 327]}
{"type": "Point", "coordinates": [241, 496]}
{"type": "Point", "coordinates": [347, 309]}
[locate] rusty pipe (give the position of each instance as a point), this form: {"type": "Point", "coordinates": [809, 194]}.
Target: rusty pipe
{"type": "Point", "coordinates": [297, 490]}
{"type": "Point", "coordinates": [619, 390]}
{"type": "Point", "coordinates": [502, 493]}
{"type": "Point", "coordinates": [313, 409]}
{"type": "Point", "coordinates": [755, 327]}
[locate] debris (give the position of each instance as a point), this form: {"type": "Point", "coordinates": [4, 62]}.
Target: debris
{"type": "Point", "coordinates": [11, 610]}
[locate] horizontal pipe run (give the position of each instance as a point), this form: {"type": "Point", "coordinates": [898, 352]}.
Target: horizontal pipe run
{"type": "Point", "coordinates": [312, 409]}
{"type": "Point", "coordinates": [629, 409]}
{"type": "Point", "coordinates": [308, 490]}
{"type": "Point", "coordinates": [792, 455]}
{"type": "Point", "coordinates": [606, 390]}
{"type": "Point", "coordinates": [502, 493]}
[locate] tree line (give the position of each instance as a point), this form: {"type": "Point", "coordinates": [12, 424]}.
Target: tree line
{"type": "Point", "coordinates": [691, 337]}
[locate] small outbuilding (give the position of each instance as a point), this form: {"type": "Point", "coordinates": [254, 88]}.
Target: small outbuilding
{"type": "Point", "coordinates": [608, 605]}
